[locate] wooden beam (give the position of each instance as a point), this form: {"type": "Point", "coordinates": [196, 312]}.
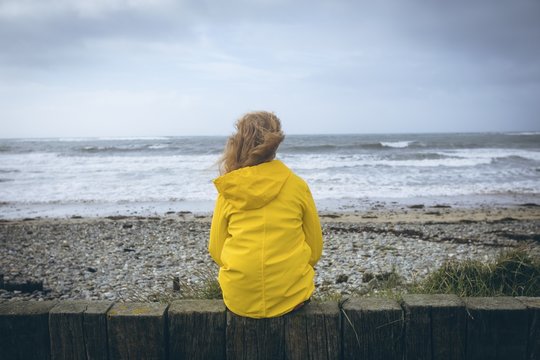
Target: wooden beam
{"type": "Point", "coordinates": [137, 331]}
{"type": "Point", "coordinates": [24, 329]}
{"type": "Point", "coordinates": [78, 329]}
{"type": "Point", "coordinates": [497, 328]}
{"type": "Point", "coordinates": [435, 326]}
{"type": "Point", "coordinates": [372, 329]}
{"type": "Point", "coordinates": [197, 329]}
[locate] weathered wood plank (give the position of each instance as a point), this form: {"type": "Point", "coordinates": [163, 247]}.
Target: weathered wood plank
{"type": "Point", "coordinates": [254, 339]}
{"type": "Point", "coordinates": [66, 331]}
{"type": "Point", "coordinates": [313, 332]}
{"type": "Point", "coordinates": [95, 329]}
{"type": "Point", "coordinates": [78, 330]}
{"type": "Point", "coordinates": [24, 329]}
{"type": "Point", "coordinates": [496, 328]}
{"type": "Point", "coordinates": [434, 326]}
{"type": "Point", "coordinates": [417, 344]}
{"type": "Point", "coordinates": [533, 312]}
{"type": "Point", "coordinates": [197, 329]}
{"type": "Point", "coordinates": [372, 329]}
{"type": "Point", "coordinates": [137, 331]}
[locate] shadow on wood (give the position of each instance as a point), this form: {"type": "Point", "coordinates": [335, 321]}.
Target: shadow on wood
{"type": "Point", "coordinates": [137, 331]}
{"type": "Point", "coordinates": [496, 328]}
{"type": "Point", "coordinates": [197, 329]}
{"type": "Point", "coordinates": [372, 329]}
{"type": "Point", "coordinates": [78, 330]}
{"type": "Point", "coordinates": [434, 326]}
{"type": "Point", "coordinates": [24, 330]}
{"type": "Point", "coordinates": [533, 312]}
{"type": "Point", "coordinates": [254, 339]}
{"type": "Point", "coordinates": [313, 332]}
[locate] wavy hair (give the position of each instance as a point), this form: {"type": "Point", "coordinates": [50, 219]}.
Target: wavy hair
{"type": "Point", "coordinates": [258, 135]}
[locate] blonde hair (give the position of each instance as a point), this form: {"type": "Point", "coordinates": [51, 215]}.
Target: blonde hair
{"type": "Point", "coordinates": [258, 135]}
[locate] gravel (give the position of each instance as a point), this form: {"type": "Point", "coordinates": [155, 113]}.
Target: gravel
{"type": "Point", "coordinates": [133, 258]}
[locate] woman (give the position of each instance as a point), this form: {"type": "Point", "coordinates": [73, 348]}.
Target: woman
{"type": "Point", "coordinates": [266, 235]}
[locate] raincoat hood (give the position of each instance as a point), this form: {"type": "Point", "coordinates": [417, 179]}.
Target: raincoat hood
{"type": "Point", "coordinates": [253, 187]}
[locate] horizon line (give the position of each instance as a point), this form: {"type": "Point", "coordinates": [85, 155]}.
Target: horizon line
{"type": "Point", "coordinates": [149, 137]}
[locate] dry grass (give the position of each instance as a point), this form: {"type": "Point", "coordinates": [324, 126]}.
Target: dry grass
{"type": "Point", "coordinates": [207, 287]}
{"type": "Point", "coordinates": [513, 273]}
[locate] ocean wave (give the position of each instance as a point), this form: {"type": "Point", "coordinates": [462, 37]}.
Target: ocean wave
{"type": "Point", "coordinates": [8, 171]}
{"type": "Point", "coordinates": [314, 162]}
{"type": "Point", "coordinates": [494, 153]}
{"type": "Point", "coordinates": [524, 133]}
{"type": "Point", "coordinates": [308, 148]}
{"type": "Point", "coordinates": [111, 149]}
{"type": "Point", "coordinates": [314, 149]}
{"type": "Point", "coordinates": [403, 156]}
{"type": "Point", "coordinates": [143, 149]}
{"type": "Point", "coordinates": [181, 169]}
{"type": "Point", "coordinates": [158, 146]}
{"type": "Point", "coordinates": [107, 138]}
{"type": "Point", "coordinates": [120, 138]}
{"type": "Point", "coordinates": [512, 159]}
{"type": "Point", "coordinates": [347, 148]}
{"type": "Point", "coordinates": [370, 146]}
{"type": "Point", "coordinates": [367, 191]}
{"type": "Point", "coordinates": [397, 144]}
{"type": "Point", "coordinates": [96, 149]}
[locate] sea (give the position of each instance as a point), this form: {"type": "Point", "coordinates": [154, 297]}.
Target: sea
{"type": "Point", "coordinates": [66, 177]}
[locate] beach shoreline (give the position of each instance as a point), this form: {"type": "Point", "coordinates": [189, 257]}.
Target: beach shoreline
{"type": "Point", "coordinates": [400, 206]}
{"type": "Point", "coordinates": [377, 211]}
{"type": "Point", "coordinates": [131, 257]}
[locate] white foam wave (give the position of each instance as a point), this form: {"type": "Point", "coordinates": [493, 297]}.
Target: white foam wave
{"type": "Point", "coordinates": [492, 154]}
{"type": "Point", "coordinates": [46, 177]}
{"type": "Point", "coordinates": [397, 144]}
{"type": "Point", "coordinates": [158, 146]}
{"type": "Point", "coordinates": [325, 161]}
{"type": "Point", "coordinates": [49, 178]}
{"type": "Point", "coordinates": [127, 138]}
{"type": "Point", "coordinates": [524, 133]}
{"type": "Point", "coordinates": [371, 189]}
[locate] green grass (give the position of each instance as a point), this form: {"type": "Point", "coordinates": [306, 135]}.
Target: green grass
{"type": "Point", "coordinates": [513, 273]}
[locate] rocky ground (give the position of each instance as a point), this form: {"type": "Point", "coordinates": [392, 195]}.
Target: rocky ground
{"type": "Point", "coordinates": [131, 258]}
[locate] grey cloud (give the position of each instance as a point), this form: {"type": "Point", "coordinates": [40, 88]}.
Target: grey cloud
{"type": "Point", "coordinates": [483, 29]}
{"type": "Point", "coordinates": [64, 36]}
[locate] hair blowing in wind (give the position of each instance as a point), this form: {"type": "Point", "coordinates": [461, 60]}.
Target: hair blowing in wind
{"type": "Point", "coordinates": [258, 135]}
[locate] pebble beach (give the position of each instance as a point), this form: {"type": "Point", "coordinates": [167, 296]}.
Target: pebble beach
{"type": "Point", "coordinates": [131, 258]}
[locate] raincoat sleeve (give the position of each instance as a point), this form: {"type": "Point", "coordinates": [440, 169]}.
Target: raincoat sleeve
{"type": "Point", "coordinates": [218, 231]}
{"type": "Point", "coordinates": [312, 228]}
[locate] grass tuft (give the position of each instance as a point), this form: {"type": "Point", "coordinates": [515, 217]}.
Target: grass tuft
{"type": "Point", "coordinates": [207, 287]}
{"type": "Point", "coordinates": [513, 273]}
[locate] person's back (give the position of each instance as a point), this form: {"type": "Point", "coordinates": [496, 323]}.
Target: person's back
{"type": "Point", "coordinates": [265, 235]}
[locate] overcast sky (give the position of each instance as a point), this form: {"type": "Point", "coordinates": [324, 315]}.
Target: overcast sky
{"type": "Point", "coordinates": [165, 67]}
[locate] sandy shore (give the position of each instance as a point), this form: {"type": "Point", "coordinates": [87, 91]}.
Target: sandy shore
{"type": "Point", "coordinates": [378, 213]}
{"type": "Point", "coordinates": [418, 213]}
{"type": "Point", "coordinates": [129, 257]}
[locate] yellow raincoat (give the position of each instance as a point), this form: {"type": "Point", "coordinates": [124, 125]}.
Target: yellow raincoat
{"type": "Point", "coordinates": [266, 237]}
